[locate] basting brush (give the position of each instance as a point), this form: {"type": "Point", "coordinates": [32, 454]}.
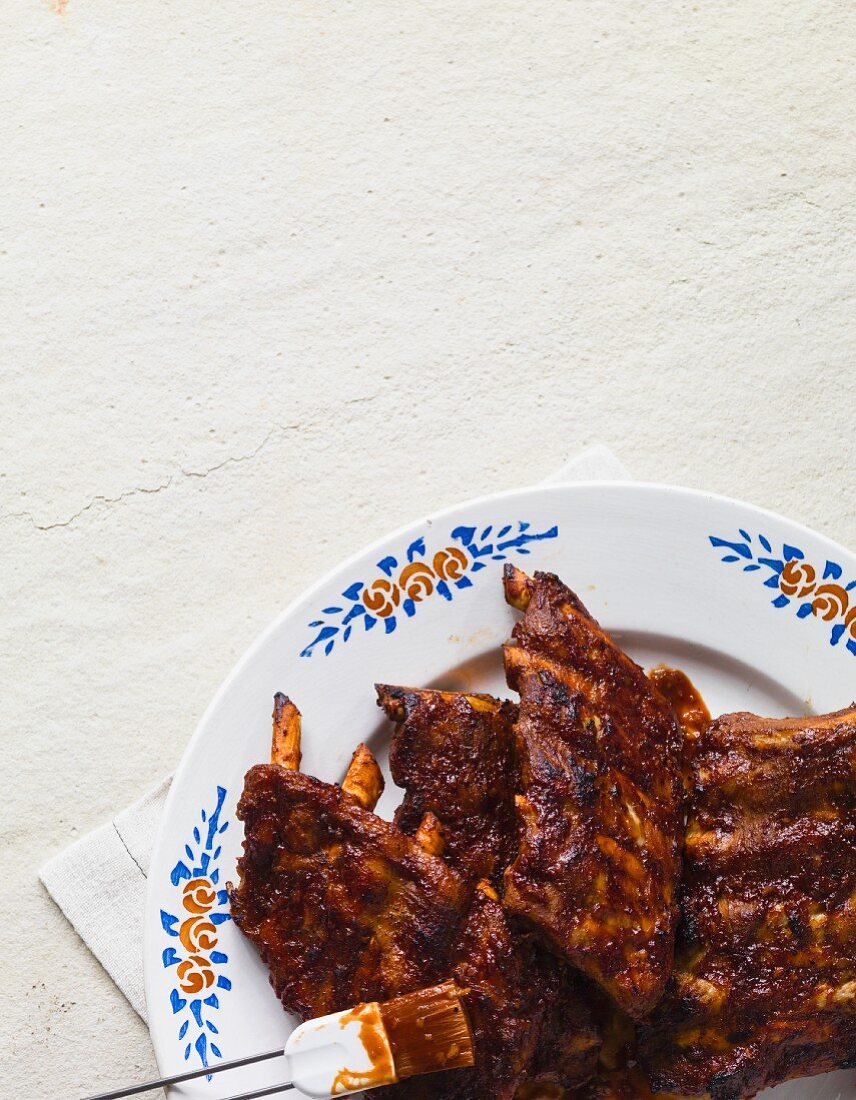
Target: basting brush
{"type": "Point", "coordinates": [364, 1047]}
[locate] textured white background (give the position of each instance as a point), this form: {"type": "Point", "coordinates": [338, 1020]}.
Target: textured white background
{"type": "Point", "coordinates": [277, 277]}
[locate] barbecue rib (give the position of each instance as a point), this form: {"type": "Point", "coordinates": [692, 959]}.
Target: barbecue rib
{"type": "Point", "coordinates": [619, 1075]}
{"type": "Point", "coordinates": [344, 907]}
{"type": "Point", "coordinates": [764, 987]}
{"type": "Point", "coordinates": [599, 753]}
{"type": "Point", "coordinates": [454, 756]}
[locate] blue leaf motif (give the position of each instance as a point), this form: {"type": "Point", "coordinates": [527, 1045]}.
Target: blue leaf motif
{"type": "Point", "coordinates": [832, 569]}
{"type": "Point", "coordinates": [791, 552]}
{"type": "Point", "coordinates": [352, 592]}
{"type": "Point", "coordinates": [464, 534]}
{"type": "Point", "coordinates": [837, 633]}
{"type": "Point", "coordinates": [179, 872]}
{"type": "Point", "coordinates": [745, 535]}
{"type": "Point", "coordinates": [331, 610]}
{"type": "Point", "coordinates": [167, 922]}
{"type": "Point", "coordinates": [416, 547]}
{"type": "Point", "coordinates": [387, 564]}
{"type": "Point", "coordinates": [803, 611]}
{"type": "Point", "coordinates": [781, 601]}
{"type": "Point", "coordinates": [177, 1002]}
{"type": "Point", "coordinates": [764, 542]}
{"type": "Point", "coordinates": [738, 547]}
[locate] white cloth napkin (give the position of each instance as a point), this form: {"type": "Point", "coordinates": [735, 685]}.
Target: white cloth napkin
{"type": "Point", "coordinates": [99, 882]}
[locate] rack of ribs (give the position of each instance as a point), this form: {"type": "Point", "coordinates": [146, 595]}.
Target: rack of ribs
{"type": "Point", "coordinates": [345, 907]}
{"type": "Point", "coordinates": [601, 797]}
{"type": "Point", "coordinates": [454, 755]}
{"type": "Point", "coordinates": [765, 974]}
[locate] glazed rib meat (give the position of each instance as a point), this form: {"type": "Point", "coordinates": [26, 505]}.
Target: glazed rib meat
{"type": "Point", "coordinates": [504, 1008]}
{"type": "Point", "coordinates": [454, 756]}
{"type": "Point", "coordinates": [601, 803]}
{"type": "Point", "coordinates": [344, 907]}
{"type": "Point", "coordinates": [765, 977]}
{"type": "Point", "coordinates": [619, 1075]}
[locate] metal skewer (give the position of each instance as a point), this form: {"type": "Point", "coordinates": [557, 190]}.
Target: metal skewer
{"type": "Point", "coordinates": [176, 1079]}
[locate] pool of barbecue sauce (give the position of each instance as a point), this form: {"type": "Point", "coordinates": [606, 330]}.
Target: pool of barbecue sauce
{"type": "Point", "coordinates": [685, 698]}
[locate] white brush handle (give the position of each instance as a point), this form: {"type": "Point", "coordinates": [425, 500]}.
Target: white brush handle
{"type": "Point", "coordinates": [341, 1053]}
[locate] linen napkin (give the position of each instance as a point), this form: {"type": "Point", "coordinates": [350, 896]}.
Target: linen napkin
{"type": "Point", "coordinates": [99, 882]}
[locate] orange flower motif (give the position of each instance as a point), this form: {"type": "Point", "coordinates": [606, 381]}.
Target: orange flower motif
{"type": "Point", "coordinates": [450, 564]}
{"type": "Point", "coordinates": [417, 580]}
{"type": "Point", "coordinates": [797, 578]}
{"type": "Point", "coordinates": [199, 896]}
{"type": "Point", "coordinates": [198, 934]}
{"type": "Point", "coordinates": [830, 601]}
{"type": "Point", "coordinates": [382, 598]}
{"type": "Point", "coordinates": [850, 622]}
{"type": "Point", "coordinates": [195, 974]}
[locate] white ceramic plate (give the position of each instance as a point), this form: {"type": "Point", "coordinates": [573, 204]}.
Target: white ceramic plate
{"type": "Point", "coordinates": [760, 612]}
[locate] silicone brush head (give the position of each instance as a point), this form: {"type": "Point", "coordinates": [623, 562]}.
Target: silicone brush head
{"type": "Point", "coordinates": [428, 1031]}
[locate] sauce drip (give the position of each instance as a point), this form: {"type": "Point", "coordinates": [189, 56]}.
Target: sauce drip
{"type": "Point", "coordinates": [685, 698]}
